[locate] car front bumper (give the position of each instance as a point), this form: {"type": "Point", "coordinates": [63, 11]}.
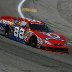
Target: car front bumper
{"type": "Point", "coordinates": [53, 48]}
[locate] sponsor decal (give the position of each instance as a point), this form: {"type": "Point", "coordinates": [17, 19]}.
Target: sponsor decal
{"type": "Point", "coordinates": [53, 35]}
{"type": "Point", "coordinates": [1, 28]}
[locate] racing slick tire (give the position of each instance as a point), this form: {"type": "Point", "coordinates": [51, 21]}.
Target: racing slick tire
{"type": "Point", "coordinates": [33, 41]}
{"type": "Point", "coordinates": [7, 31]}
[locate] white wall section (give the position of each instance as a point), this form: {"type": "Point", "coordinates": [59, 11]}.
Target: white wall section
{"type": "Point", "coordinates": [19, 8]}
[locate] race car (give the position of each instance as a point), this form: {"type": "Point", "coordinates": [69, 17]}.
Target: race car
{"type": "Point", "coordinates": [34, 33]}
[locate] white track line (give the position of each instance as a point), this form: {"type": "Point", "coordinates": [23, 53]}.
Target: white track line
{"type": "Point", "coordinates": [19, 8]}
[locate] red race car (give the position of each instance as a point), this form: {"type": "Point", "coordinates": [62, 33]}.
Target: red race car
{"type": "Point", "coordinates": [37, 34]}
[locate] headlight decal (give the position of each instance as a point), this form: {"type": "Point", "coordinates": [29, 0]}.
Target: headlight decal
{"type": "Point", "coordinates": [47, 42]}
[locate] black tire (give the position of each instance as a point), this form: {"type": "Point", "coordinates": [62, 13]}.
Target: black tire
{"type": "Point", "coordinates": [33, 41]}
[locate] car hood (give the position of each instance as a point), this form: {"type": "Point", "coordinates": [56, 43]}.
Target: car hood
{"type": "Point", "coordinates": [43, 35]}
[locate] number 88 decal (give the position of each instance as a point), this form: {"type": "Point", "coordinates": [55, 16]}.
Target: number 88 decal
{"type": "Point", "coordinates": [19, 32]}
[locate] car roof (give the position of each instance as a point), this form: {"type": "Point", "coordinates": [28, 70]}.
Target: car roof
{"type": "Point", "coordinates": [29, 20]}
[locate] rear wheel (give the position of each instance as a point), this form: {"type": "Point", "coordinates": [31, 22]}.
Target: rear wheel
{"type": "Point", "coordinates": [7, 30]}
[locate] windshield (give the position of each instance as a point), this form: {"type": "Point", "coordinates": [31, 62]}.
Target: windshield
{"type": "Point", "coordinates": [42, 28]}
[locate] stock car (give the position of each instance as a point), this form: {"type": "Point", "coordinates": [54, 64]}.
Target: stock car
{"type": "Point", "coordinates": [34, 33]}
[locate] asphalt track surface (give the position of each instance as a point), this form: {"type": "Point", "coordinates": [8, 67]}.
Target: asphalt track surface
{"type": "Point", "coordinates": [15, 57]}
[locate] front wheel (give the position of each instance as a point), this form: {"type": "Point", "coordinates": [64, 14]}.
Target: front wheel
{"type": "Point", "coordinates": [33, 41]}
